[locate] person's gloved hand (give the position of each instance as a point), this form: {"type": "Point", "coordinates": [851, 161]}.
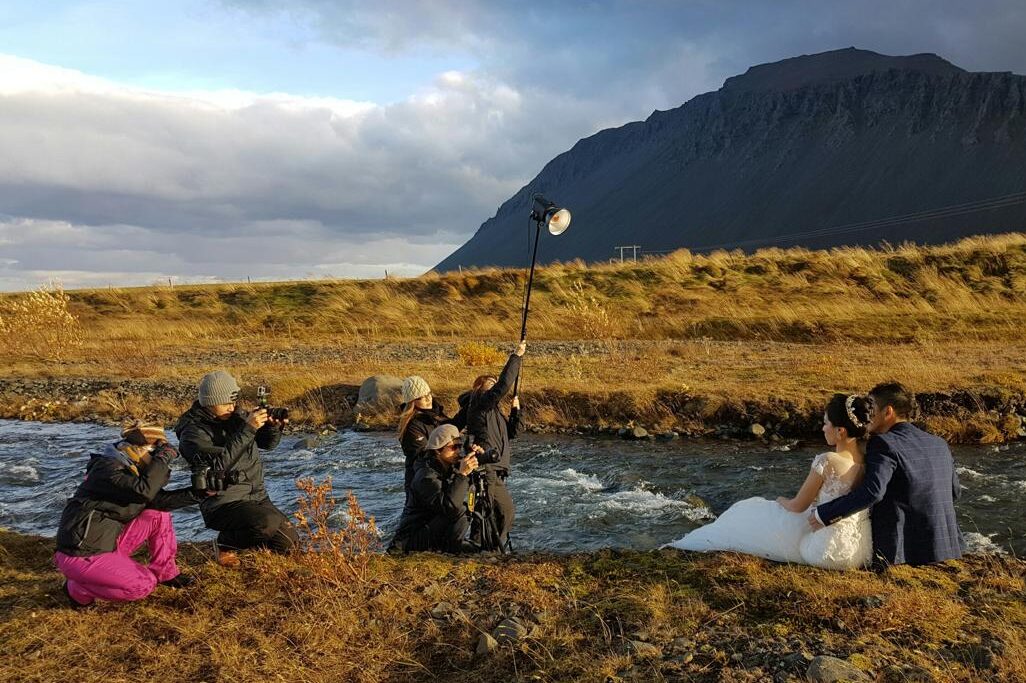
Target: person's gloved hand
{"type": "Point", "coordinates": [166, 451]}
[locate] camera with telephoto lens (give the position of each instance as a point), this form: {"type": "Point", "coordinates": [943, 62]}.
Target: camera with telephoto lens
{"type": "Point", "coordinates": [277, 414]}
{"type": "Point", "coordinates": [489, 457]}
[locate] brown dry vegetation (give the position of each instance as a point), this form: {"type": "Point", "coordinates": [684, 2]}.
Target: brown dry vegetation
{"type": "Point", "coordinates": [738, 333]}
{"type": "Point", "coordinates": [720, 617]}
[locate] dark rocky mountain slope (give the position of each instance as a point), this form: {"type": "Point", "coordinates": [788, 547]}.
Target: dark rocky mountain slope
{"type": "Point", "coordinates": [817, 150]}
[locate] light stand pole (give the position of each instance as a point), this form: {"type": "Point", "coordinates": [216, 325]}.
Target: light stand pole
{"type": "Point", "coordinates": [530, 280]}
{"type": "Point", "coordinates": [557, 221]}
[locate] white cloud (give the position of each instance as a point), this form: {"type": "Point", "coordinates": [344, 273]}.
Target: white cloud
{"type": "Point", "coordinates": [127, 183]}
{"type": "Point", "coordinates": [203, 172]}
{"type": "Point", "coordinates": [85, 256]}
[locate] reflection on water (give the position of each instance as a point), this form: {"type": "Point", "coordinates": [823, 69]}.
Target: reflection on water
{"type": "Point", "coordinates": [571, 493]}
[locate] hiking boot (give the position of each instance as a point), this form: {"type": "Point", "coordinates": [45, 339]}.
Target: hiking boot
{"type": "Point", "coordinates": [226, 558]}
{"type": "Point", "coordinates": [180, 581]}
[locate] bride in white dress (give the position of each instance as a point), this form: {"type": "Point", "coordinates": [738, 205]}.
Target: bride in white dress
{"type": "Point", "coordinates": [779, 530]}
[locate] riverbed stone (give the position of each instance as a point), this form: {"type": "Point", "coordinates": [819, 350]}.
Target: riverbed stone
{"type": "Point", "coordinates": [307, 442]}
{"type": "Point", "coordinates": [826, 669]}
{"type": "Point", "coordinates": [379, 393]}
{"type": "Point", "coordinates": [756, 430]}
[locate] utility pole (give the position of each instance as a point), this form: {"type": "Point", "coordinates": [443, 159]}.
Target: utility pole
{"type": "Point", "coordinates": [634, 251]}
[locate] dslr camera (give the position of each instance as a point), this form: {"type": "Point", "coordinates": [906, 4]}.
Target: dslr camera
{"type": "Point", "coordinates": [489, 457]}
{"type": "Point", "coordinates": [277, 414]}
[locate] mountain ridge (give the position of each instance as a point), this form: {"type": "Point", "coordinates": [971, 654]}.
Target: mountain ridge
{"type": "Point", "coordinates": [786, 147]}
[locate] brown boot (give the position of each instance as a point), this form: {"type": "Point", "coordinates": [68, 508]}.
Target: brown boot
{"type": "Point", "coordinates": [226, 558]}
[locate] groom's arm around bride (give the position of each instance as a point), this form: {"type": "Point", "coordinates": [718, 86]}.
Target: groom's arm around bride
{"type": "Point", "coordinates": [910, 483]}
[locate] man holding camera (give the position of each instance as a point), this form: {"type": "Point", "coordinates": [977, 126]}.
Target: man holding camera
{"type": "Point", "coordinates": [435, 516]}
{"type": "Point", "coordinates": [220, 442]}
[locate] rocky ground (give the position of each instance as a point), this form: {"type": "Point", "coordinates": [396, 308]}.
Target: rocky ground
{"type": "Point", "coordinates": [973, 416]}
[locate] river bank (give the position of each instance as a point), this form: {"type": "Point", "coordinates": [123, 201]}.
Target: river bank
{"type": "Point", "coordinates": [721, 344]}
{"type": "Point", "coordinates": [608, 615]}
{"type": "Point", "coordinates": [978, 415]}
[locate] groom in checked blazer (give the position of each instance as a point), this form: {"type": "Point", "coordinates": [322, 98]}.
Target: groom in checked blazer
{"type": "Point", "coordinates": [910, 483]}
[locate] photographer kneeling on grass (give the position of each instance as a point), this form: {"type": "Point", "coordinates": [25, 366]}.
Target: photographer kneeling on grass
{"type": "Point", "coordinates": [119, 507]}
{"type": "Point", "coordinates": [220, 440]}
{"type": "Point", "coordinates": [435, 516]}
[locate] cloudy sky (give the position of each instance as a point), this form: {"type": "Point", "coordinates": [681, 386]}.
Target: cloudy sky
{"type": "Point", "coordinates": [224, 139]}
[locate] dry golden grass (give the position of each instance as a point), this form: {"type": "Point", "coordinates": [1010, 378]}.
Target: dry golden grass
{"type": "Point", "coordinates": [476, 353]}
{"type": "Point", "coordinates": [713, 617]}
{"type": "Point", "coordinates": [39, 325]}
{"type": "Point", "coordinates": [774, 327]}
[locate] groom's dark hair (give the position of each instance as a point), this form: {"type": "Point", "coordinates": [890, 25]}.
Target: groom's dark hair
{"type": "Point", "coordinates": [895, 395]}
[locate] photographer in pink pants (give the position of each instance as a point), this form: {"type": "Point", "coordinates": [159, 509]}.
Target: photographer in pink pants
{"type": "Point", "coordinates": [120, 506]}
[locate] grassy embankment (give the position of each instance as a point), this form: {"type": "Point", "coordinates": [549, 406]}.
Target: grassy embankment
{"type": "Point", "coordinates": [692, 617]}
{"type": "Point", "coordinates": [684, 342]}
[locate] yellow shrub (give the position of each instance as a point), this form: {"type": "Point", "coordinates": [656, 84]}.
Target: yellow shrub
{"type": "Point", "coordinates": [475, 353]}
{"type": "Point", "coordinates": [39, 324]}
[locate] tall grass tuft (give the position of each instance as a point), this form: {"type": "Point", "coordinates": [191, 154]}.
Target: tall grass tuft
{"type": "Point", "coordinates": [39, 325]}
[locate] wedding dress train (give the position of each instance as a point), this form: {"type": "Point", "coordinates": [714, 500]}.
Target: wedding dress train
{"type": "Point", "coordinates": [757, 526]}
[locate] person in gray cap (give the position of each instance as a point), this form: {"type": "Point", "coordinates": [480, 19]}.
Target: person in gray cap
{"type": "Point", "coordinates": [435, 516]}
{"type": "Point", "coordinates": [220, 440]}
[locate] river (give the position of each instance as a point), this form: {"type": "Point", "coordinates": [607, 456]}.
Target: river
{"type": "Point", "coordinates": [572, 493]}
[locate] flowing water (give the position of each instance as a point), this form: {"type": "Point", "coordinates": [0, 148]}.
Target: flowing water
{"type": "Point", "coordinates": [571, 493]}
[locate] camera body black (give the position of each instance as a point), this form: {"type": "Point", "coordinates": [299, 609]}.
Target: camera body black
{"type": "Point", "coordinates": [207, 475]}
{"type": "Point", "coordinates": [277, 414]}
{"type": "Point", "coordinates": [209, 479]}
{"type": "Point", "coordinates": [489, 457]}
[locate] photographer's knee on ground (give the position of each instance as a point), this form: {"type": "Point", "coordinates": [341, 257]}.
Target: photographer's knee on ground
{"type": "Point", "coordinates": [221, 440]}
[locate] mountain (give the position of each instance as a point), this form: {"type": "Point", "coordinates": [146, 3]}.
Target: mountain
{"type": "Point", "coordinates": [843, 147]}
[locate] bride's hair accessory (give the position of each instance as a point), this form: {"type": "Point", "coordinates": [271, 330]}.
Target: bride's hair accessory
{"type": "Point", "coordinates": [849, 407]}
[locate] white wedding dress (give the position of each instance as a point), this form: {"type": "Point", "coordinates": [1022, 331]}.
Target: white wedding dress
{"type": "Point", "coordinates": [757, 526]}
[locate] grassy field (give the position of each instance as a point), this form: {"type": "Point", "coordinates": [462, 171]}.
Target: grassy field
{"type": "Point", "coordinates": [679, 342]}
{"type": "Point", "coordinates": [607, 616]}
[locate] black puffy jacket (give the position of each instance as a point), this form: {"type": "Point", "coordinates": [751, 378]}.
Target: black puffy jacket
{"type": "Point", "coordinates": [228, 446]}
{"type": "Point", "coordinates": [435, 491]}
{"type": "Point", "coordinates": [111, 496]}
{"type": "Point", "coordinates": [480, 414]}
{"type": "Point", "coordinates": [416, 435]}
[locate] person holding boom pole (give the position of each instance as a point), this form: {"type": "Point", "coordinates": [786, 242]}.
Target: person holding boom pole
{"type": "Point", "coordinates": [479, 408]}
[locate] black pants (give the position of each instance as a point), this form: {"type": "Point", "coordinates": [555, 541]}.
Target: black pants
{"type": "Point", "coordinates": [440, 535]}
{"type": "Point", "coordinates": [502, 509]}
{"type": "Point", "coordinates": [252, 524]}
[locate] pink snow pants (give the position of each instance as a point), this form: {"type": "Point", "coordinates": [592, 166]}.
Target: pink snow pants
{"type": "Point", "coordinates": [115, 575]}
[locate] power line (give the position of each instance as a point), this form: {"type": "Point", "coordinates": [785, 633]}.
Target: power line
{"type": "Point", "coordinates": [963, 209]}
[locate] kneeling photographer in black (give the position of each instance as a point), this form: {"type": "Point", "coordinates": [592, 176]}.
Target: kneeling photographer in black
{"type": "Point", "coordinates": [220, 442]}
{"type": "Point", "coordinates": [435, 516]}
